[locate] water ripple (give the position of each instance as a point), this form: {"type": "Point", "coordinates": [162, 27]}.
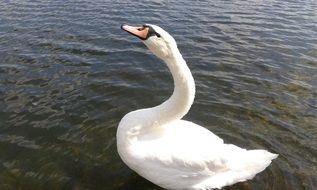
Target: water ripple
{"type": "Point", "coordinates": [68, 74]}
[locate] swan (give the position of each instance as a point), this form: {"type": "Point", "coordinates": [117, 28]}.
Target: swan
{"type": "Point", "coordinates": [174, 153]}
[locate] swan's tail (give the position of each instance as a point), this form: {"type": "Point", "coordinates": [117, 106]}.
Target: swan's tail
{"type": "Point", "coordinates": [255, 161]}
{"type": "Point", "coordinates": [241, 167]}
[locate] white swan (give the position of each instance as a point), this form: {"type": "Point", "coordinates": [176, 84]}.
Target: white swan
{"type": "Point", "coordinates": [174, 153]}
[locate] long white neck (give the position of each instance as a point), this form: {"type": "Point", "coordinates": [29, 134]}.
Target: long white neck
{"type": "Point", "coordinates": [183, 95]}
{"type": "Point", "coordinates": [172, 109]}
{"type": "Point", "coordinates": [139, 122]}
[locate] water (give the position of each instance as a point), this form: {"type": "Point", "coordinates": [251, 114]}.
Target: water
{"type": "Point", "coordinates": [68, 74]}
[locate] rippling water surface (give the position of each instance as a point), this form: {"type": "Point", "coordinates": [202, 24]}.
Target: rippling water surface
{"type": "Point", "coordinates": [68, 74]}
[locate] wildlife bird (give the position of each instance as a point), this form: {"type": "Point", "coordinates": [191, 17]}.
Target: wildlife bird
{"type": "Point", "coordinates": [174, 153]}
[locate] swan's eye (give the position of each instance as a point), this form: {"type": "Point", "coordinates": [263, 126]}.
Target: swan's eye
{"type": "Point", "coordinates": [152, 32]}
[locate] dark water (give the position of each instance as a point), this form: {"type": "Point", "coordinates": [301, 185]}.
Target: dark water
{"type": "Point", "coordinates": [68, 74]}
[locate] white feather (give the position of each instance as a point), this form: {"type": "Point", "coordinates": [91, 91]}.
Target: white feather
{"type": "Point", "coordinates": [178, 154]}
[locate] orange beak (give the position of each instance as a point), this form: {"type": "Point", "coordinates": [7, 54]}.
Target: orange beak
{"type": "Point", "coordinates": [140, 32]}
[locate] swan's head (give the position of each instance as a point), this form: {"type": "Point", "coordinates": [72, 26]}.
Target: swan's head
{"type": "Point", "coordinates": [161, 43]}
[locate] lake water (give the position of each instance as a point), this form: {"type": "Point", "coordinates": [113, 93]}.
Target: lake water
{"type": "Point", "coordinates": [68, 74]}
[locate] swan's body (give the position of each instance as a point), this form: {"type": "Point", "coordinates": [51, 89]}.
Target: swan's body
{"type": "Point", "coordinates": [174, 153]}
